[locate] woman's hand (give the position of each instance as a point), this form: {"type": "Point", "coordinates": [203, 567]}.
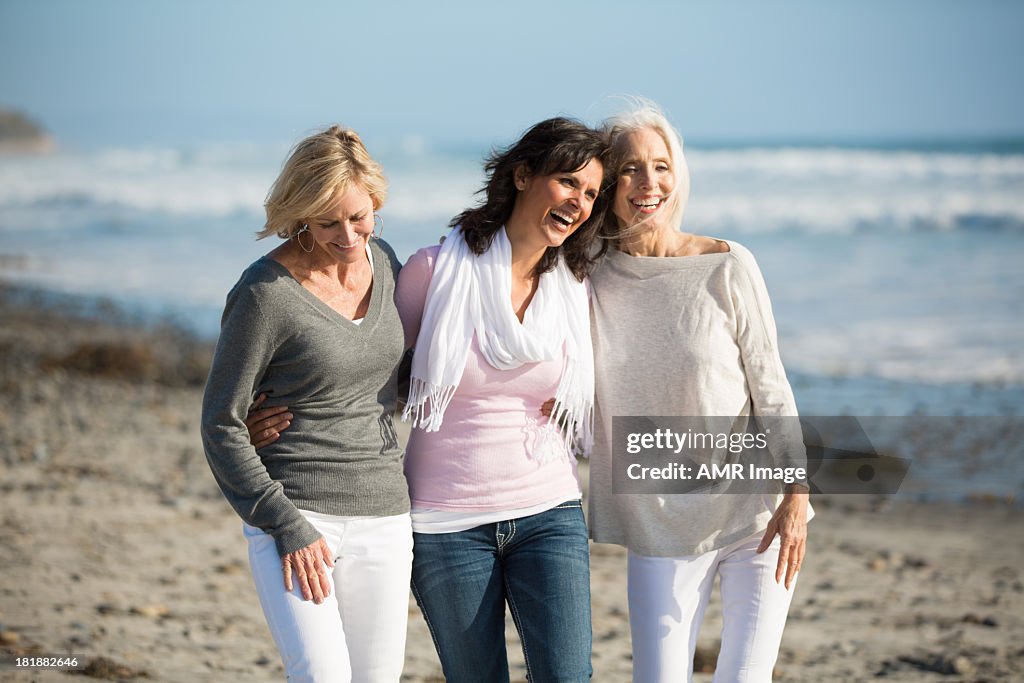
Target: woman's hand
{"type": "Point", "coordinates": [790, 523]}
{"type": "Point", "coordinates": [547, 407]}
{"type": "Point", "coordinates": [308, 565]}
{"type": "Point", "coordinates": [265, 425]}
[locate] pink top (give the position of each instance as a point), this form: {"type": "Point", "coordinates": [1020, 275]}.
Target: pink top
{"type": "Point", "coordinates": [480, 458]}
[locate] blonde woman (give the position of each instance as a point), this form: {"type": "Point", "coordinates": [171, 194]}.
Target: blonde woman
{"type": "Point", "coordinates": [682, 325]}
{"type": "Point", "coordinates": [313, 326]}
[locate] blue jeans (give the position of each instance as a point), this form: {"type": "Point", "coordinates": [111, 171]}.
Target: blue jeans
{"type": "Point", "coordinates": [539, 565]}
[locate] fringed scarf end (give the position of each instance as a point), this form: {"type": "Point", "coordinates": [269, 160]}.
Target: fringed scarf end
{"type": "Point", "coordinates": [427, 404]}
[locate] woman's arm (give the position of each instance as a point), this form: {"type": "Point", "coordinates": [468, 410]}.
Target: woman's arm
{"type": "Point", "coordinates": [772, 397]}
{"type": "Point", "coordinates": [244, 351]}
{"type": "Point", "coordinates": [411, 290]}
{"type": "Point", "coordinates": [757, 338]}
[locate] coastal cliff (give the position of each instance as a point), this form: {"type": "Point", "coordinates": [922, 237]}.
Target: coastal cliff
{"type": "Point", "coordinates": [20, 135]}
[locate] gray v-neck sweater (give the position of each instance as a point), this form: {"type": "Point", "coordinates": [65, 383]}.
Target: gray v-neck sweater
{"type": "Point", "coordinates": [340, 456]}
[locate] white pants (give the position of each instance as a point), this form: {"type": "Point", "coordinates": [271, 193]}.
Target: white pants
{"type": "Point", "coordinates": [667, 599]}
{"type": "Point", "coordinates": [358, 633]}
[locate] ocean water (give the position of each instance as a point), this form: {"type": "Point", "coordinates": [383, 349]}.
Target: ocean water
{"type": "Point", "coordinates": [895, 270]}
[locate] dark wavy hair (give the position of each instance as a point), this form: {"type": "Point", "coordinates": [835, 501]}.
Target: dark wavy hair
{"type": "Point", "coordinates": [558, 145]}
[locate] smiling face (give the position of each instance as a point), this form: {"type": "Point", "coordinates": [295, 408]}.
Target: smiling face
{"type": "Point", "coordinates": [549, 208]}
{"type": "Point", "coordinates": [342, 232]}
{"type": "Point", "coordinates": [645, 179]}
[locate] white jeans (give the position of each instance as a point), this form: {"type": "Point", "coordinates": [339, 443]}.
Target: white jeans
{"type": "Point", "coordinates": [358, 633]}
{"type": "Point", "coordinates": [667, 599]}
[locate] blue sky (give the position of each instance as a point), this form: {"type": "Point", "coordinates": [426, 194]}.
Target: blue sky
{"type": "Point", "coordinates": [136, 72]}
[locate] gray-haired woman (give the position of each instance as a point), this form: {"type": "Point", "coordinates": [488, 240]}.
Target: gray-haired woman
{"type": "Point", "coordinates": [683, 326]}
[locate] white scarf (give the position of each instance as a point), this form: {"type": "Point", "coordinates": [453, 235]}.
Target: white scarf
{"type": "Point", "coordinates": [470, 293]}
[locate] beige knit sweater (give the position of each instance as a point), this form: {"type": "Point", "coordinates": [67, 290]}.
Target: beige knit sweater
{"type": "Point", "coordinates": [687, 336]}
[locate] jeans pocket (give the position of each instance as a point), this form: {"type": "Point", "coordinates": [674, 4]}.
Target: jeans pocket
{"type": "Point", "coordinates": [568, 518]}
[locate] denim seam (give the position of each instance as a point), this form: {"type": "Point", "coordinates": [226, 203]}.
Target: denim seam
{"type": "Point", "coordinates": [504, 539]}
{"type": "Point", "coordinates": [426, 619]}
{"type": "Point", "coordinates": [519, 628]}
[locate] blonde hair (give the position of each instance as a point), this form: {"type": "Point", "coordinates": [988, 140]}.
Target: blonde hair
{"type": "Point", "coordinates": [320, 169]}
{"type": "Point", "coordinates": [644, 114]}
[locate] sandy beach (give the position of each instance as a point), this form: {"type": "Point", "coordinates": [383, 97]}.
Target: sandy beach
{"type": "Point", "coordinates": [118, 547]}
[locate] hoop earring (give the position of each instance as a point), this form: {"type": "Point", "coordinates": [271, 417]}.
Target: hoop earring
{"type": "Point", "coordinates": [304, 228]}
{"type": "Point", "coordinates": [377, 217]}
